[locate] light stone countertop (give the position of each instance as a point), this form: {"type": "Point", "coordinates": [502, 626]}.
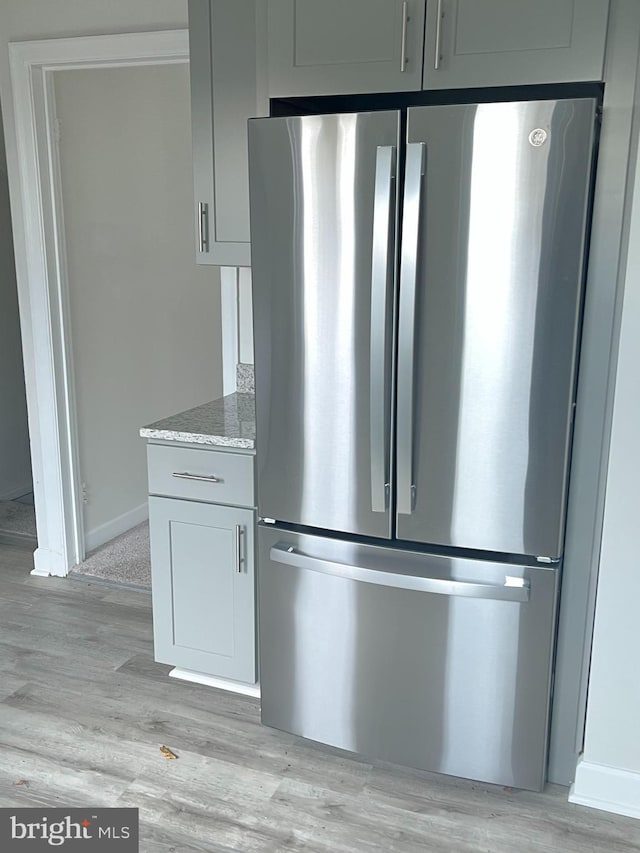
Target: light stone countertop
{"type": "Point", "coordinates": [227, 422]}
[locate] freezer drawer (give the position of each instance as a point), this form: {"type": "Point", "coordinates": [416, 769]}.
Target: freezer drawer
{"type": "Point", "coordinates": [438, 663]}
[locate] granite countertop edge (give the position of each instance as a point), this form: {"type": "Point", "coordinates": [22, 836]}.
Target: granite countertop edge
{"type": "Point", "coordinates": [198, 438]}
{"type": "Point", "coordinates": [226, 422]}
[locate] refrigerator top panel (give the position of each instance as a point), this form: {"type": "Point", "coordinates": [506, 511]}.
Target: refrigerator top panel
{"type": "Point", "coordinates": [496, 204]}
{"type": "Point", "coordinates": [323, 291]}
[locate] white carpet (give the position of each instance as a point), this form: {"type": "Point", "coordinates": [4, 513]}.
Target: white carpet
{"type": "Point", "coordinates": [125, 560]}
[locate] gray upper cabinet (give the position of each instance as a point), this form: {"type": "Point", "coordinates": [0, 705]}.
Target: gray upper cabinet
{"type": "Point", "coordinates": [344, 46]}
{"type": "Point", "coordinates": [472, 43]}
{"type": "Point", "coordinates": [224, 59]}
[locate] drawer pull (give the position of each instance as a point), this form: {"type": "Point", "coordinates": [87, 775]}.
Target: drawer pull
{"type": "Point", "coordinates": [183, 475]}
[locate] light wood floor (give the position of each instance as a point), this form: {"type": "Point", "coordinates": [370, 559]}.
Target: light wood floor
{"type": "Point", "coordinates": [84, 711]}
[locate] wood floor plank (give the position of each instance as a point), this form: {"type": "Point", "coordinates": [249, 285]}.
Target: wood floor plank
{"type": "Point", "coordinates": [72, 777]}
{"type": "Point", "coordinates": [9, 683]}
{"type": "Point", "coordinates": [154, 840]}
{"type": "Point", "coordinates": [228, 731]}
{"type": "Point", "coordinates": [512, 815]}
{"type": "Point", "coordinates": [218, 823]}
{"type": "Point", "coordinates": [19, 792]}
{"type": "Point", "coordinates": [84, 710]}
{"type": "Point", "coordinates": [367, 825]}
{"type": "Point", "coordinates": [48, 660]}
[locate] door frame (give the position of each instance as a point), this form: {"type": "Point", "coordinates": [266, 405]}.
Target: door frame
{"type": "Point", "coordinates": [43, 292]}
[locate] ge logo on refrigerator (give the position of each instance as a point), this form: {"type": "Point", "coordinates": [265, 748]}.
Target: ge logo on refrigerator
{"type": "Point", "coordinates": [538, 137]}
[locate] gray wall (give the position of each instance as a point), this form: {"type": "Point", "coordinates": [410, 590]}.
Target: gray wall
{"type": "Point", "coordinates": [15, 461]}
{"type": "Point", "coordinates": [245, 317]}
{"type": "Point", "coordinates": [35, 19]}
{"type": "Point", "coordinates": [145, 320]}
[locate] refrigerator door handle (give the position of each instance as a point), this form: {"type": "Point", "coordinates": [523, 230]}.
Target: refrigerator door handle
{"type": "Point", "coordinates": [381, 271]}
{"type": "Point", "coordinates": [285, 553]}
{"type": "Point", "coordinates": [414, 171]}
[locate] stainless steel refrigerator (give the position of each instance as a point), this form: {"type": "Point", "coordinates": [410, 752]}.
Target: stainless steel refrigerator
{"type": "Point", "coordinates": [417, 285]}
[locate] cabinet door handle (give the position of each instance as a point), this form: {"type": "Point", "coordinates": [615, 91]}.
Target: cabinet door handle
{"type": "Point", "coordinates": [403, 37]}
{"type": "Point", "coordinates": [203, 226]}
{"type": "Point", "coordinates": [184, 475]}
{"type": "Point", "coordinates": [439, 17]}
{"type": "Point", "coordinates": [239, 548]}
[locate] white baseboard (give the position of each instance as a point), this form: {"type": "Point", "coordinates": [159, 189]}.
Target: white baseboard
{"type": "Point", "coordinates": [214, 681]}
{"type": "Point", "coordinates": [48, 564]}
{"type": "Point", "coordinates": [106, 532]}
{"type": "Point", "coordinates": [16, 491]}
{"type": "Point", "coordinates": [607, 788]}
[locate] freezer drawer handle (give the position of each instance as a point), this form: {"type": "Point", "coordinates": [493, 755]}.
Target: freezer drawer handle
{"type": "Point", "coordinates": [413, 181]}
{"type": "Point", "coordinates": [184, 475]}
{"type": "Point", "coordinates": [286, 553]}
{"type": "Point", "coordinates": [380, 344]}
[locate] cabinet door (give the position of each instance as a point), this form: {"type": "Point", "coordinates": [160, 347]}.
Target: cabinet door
{"type": "Point", "coordinates": [222, 39]}
{"type": "Point", "coordinates": [337, 47]}
{"type": "Point", "coordinates": [202, 562]}
{"type": "Point", "coordinates": [512, 42]}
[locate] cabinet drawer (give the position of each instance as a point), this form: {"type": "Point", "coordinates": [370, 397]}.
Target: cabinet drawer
{"type": "Point", "coordinates": [227, 477]}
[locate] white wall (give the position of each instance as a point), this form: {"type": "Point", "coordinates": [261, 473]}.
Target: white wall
{"type": "Point", "coordinates": [145, 319]}
{"type": "Point", "coordinates": [245, 317]}
{"type": "Point", "coordinates": [15, 461]}
{"type": "Point", "coordinates": [237, 321]}
{"type": "Point", "coordinates": [608, 775]}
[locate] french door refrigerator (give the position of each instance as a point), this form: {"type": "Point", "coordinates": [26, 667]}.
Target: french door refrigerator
{"type": "Point", "coordinates": [417, 283]}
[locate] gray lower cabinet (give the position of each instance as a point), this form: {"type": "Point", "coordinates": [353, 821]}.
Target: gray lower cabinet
{"type": "Point", "coordinates": [202, 526]}
{"type": "Point", "coordinates": [225, 45]}
{"type": "Point", "coordinates": [203, 575]}
{"type": "Point", "coordinates": [472, 43]}
{"type": "Point", "coordinates": [344, 46]}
